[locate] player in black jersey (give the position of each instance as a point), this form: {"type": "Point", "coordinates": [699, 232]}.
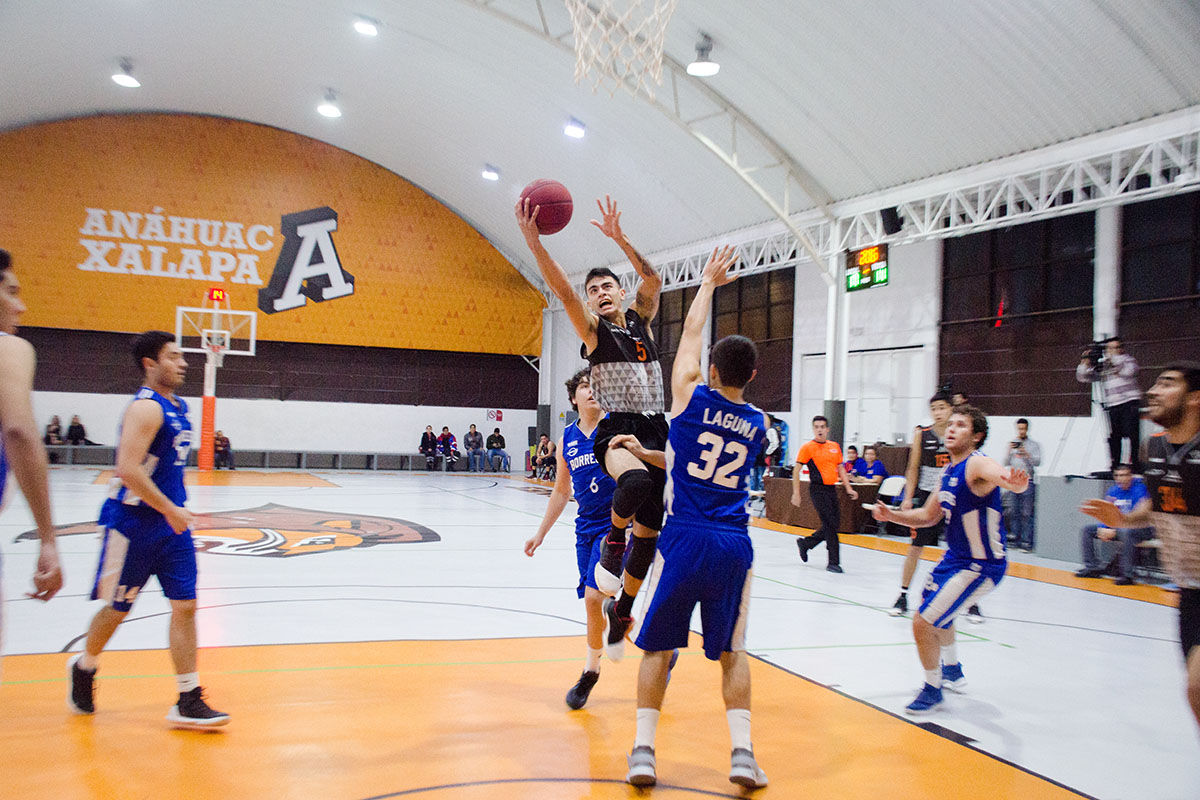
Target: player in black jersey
{"type": "Point", "coordinates": [1172, 460]}
{"type": "Point", "coordinates": [626, 379]}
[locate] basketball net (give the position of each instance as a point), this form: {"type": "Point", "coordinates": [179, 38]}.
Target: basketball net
{"type": "Point", "coordinates": [619, 43]}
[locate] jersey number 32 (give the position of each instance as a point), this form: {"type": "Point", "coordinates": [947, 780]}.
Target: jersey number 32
{"type": "Point", "coordinates": [706, 468]}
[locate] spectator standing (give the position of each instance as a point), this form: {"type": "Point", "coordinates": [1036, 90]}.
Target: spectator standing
{"type": "Point", "coordinates": [1128, 494]}
{"type": "Point", "coordinates": [1026, 455]}
{"type": "Point", "coordinates": [960, 399]}
{"type": "Point", "coordinates": [222, 452]}
{"type": "Point", "coordinates": [429, 447]}
{"type": "Point", "coordinates": [873, 470]}
{"type": "Point", "coordinates": [773, 451]}
{"type": "Point", "coordinates": [1117, 373]}
{"type": "Point", "coordinates": [473, 442]}
{"type": "Point", "coordinates": [448, 447]}
{"type": "Point", "coordinates": [495, 449]}
{"type": "Point", "coordinates": [76, 434]}
{"type": "Point", "coordinates": [53, 433]}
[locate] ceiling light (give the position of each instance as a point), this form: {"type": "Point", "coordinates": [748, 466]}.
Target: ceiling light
{"type": "Point", "coordinates": [703, 66]}
{"type": "Point", "coordinates": [575, 129]}
{"type": "Point", "coordinates": [491, 173]}
{"type": "Point", "coordinates": [366, 26]}
{"type": "Point", "coordinates": [329, 107]}
{"type": "Point", "coordinates": [124, 77]}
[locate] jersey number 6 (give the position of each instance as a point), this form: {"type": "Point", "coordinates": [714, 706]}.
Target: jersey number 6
{"type": "Point", "coordinates": [708, 460]}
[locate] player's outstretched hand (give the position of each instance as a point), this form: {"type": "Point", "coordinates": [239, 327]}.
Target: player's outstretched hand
{"type": "Point", "coordinates": [532, 544]}
{"type": "Point", "coordinates": [1104, 511]}
{"type": "Point", "coordinates": [1017, 480]}
{"type": "Point", "coordinates": [527, 220]}
{"type": "Point", "coordinates": [716, 271]}
{"type": "Point", "coordinates": [48, 578]}
{"type": "Point", "coordinates": [611, 225]}
{"type": "Point", "coordinates": [881, 512]}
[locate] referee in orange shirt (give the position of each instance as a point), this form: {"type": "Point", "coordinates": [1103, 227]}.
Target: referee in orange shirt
{"type": "Point", "coordinates": [825, 469]}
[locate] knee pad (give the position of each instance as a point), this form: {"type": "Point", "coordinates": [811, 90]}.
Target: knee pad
{"type": "Point", "coordinates": [633, 488]}
{"type": "Point", "coordinates": [641, 556]}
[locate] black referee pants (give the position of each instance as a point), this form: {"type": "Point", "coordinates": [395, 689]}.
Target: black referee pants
{"type": "Point", "coordinates": [824, 499]}
{"type": "Point", "coordinates": [1123, 423]}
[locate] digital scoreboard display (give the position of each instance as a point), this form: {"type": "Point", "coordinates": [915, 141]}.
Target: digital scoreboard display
{"type": "Point", "coordinates": [866, 267]}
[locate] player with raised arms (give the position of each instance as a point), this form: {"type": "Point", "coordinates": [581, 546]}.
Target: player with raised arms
{"type": "Point", "coordinates": [968, 497]}
{"type": "Point", "coordinates": [147, 532]}
{"type": "Point", "coordinates": [704, 552]}
{"type": "Point", "coordinates": [626, 380]}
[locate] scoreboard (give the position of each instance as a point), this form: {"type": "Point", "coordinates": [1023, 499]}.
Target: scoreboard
{"type": "Point", "coordinates": [866, 267]}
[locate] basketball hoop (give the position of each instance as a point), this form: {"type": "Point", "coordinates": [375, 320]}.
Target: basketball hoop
{"type": "Point", "coordinates": [215, 343]}
{"type": "Point", "coordinates": [620, 42]}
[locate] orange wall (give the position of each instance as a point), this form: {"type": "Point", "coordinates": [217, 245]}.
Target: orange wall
{"type": "Point", "coordinates": [423, 278]}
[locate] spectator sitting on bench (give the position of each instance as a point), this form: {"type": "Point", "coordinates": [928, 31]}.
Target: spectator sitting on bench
{"type": "Point", "coordinates": [1129, 494]}
{"type": "Point", "coordinates": [448, 447]}
{"type": "Point", "coordinates": [473, 442]}
{"type": "Point", "coordinates": [222, 452]}
{"type": "Point", "coordinates": [76, 433]}
{"type": "Point", "coordinates": [495, 449]}
{"type": "Point", "coordinates": [53, 433]}
{"type": "Point", "coordinates": [429, 447]}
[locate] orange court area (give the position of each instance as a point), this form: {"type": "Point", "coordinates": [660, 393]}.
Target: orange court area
{"type": "Point", "coordinates": [466, 719]}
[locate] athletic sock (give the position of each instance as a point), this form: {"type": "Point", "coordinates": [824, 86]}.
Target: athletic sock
{"type": "Point", "coordinates": [739, 728]}
{"type": "Point", "coordinates": [933, 677]}
{"type": "Point", "coordinates": [593, 660]}
{"type": "Point", "coordinates": [87, 661]}
{"type": "Point", "coordinates": [616, 534]}
{"type": "Point", "coordinates": [624, 607]}
{"type": "Point", "coordinates": [904, 590]}
{"type": "Point", "coordinates": [187, 681]}
{"type": "Point", "coordinates": [950, 654]}
{"type": "Point", "coordinates": [647, 726]}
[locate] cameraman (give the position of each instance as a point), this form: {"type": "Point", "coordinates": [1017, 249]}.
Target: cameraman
{"type": "Point", "coordinates": [1118, 375]}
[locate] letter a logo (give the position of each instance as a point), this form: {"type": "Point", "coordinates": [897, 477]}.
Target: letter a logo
{"type": "Point", "coordinates": [308, 265]}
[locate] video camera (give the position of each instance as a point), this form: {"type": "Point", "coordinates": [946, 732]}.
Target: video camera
{"type": "Point", "coordinates": [1094, 353]}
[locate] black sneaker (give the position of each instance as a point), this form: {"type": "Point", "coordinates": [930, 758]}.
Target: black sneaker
{"type": "Point", "coordinates": [82, 695]}
{"type": "Point", "coordinates": [1089, 572]}
{"type": "Point", "coordinates": [615, 627]}
{"type": "Point", "coordinates": [901, 606]}
{"type": "Point", "coordinates": [582, 688]}
{"type": "Point", "coordinates": [975, 615]}
{"type": "Point", "coordinates": [835, 568]}
{"type": "Point", "coordinates": [610, 566]}
{"type": "Point", "coordinates": [803, 548]}
{"type": "Point", "coordinates": [1123, 581]}
{"type": "Point", "coordinates": [192, 712]}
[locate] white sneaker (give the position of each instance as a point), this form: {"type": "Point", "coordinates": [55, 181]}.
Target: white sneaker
{"type": "Point", "coordinates": [744, 770]}
{"type": "Point", "coordinates": [641, 767]}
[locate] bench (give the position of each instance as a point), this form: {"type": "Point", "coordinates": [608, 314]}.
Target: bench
{"type": "Point", "coordinates": [106, 456]}
{"type": "Point", "coordinates": [1146, 561]}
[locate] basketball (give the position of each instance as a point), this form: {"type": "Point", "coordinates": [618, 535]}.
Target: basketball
{"type": "Point", "coordinates": [555, 203]}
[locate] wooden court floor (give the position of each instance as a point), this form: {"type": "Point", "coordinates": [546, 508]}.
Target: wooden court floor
{"type": "Point", "coordinates": [464, 719]}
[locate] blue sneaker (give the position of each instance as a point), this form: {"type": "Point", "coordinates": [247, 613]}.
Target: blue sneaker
{"type": "Point", "coordinates": [928, 700]}
{"type": "Point", "coordinates": [953, 678]}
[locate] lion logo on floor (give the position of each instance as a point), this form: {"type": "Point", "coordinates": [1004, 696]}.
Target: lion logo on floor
{"type": "Point", "coordinates": [276, 531]}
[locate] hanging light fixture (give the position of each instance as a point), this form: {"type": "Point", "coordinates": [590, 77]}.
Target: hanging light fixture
{"type": "Point", "coordinates": [329, 108]}
{"type": "Point", "coordinates": [124, 76]}
{"type": "Point", "coordinates": [703, 66]}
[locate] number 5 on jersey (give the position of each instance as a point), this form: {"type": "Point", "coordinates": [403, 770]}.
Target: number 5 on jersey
{"type": "Point", "coordinates": [706, 469]}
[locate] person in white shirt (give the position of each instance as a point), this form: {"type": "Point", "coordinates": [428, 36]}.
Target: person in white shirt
{"type": "Point", "coordinates": [1117, 373]}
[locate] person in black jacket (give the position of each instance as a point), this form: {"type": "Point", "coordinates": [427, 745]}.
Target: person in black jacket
{"type": "Point", "coordinates": [76, 434]}
{"type": "Point", "coordinates": [429, 448]}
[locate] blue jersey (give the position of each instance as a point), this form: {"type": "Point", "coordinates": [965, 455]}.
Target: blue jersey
{"type": "Point", "coordinates": [164, 460]}
{"type": "Point", "coordinates": [591, 484]}
{"type": "Point", "coordinates": [974, 524]}
{"type": "Point", "coordinates": [711, 451]}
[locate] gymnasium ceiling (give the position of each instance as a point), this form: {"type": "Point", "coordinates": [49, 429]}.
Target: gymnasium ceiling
{"type": "Point", "coordinates": [863, 96]}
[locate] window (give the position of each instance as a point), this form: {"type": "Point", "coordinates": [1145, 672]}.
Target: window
{"type": "Point", "coordinates": [1160, 249]}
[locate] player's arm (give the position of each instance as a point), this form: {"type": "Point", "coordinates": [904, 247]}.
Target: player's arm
{"type": "Point", "coordinates": [27, 455]}
{"type": "Point", "coordinates": [912, 470]}
{"type": "Point", "coordinates": [646, 301]}
{"type": "Point", "coordinates": [583, 320]}
{"type": "Point", "coordinates": [685, 374]}
{"type": "Point", "coordinates": [984, 474]}
{"type": "Point", "coordinates": [922, 517]}
{"type": "Point", "coordinates": [1107, 513]}
{"type": "Point", "coordinates": [142, 421]}
{"type": "Point", "coordinates": [797, 499]}
{"type": "Point", "coordinates": [559, 496]}
{"type": "Point", "coordinates": [631, 443]}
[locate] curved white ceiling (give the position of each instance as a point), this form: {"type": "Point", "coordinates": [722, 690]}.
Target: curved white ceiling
{"type": "Point", "coordinates": [865, 95]}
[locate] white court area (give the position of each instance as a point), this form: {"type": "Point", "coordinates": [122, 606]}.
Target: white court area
{"type": "Point", "coordinates": [1082, 688]}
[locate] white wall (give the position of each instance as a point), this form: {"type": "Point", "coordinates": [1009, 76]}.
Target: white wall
{"type": "Point", "coordinates": [298, 425]}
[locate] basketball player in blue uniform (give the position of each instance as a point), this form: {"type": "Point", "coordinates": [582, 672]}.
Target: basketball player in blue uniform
{"type": "Point", "coordinates": [147, 532]}
{"type": "Point", "coordinates": [704, 552]}
{"type": "Point", "coordinates": [626, 379]}
{"type": "Point", "coordinates": [579, 472]}
{"type": "Point", "coordinates": [20, 441]}
{"type": "Point", "coordinates": [1172, 459]}
{"type": "Point", "coordinates": [975, 560]}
